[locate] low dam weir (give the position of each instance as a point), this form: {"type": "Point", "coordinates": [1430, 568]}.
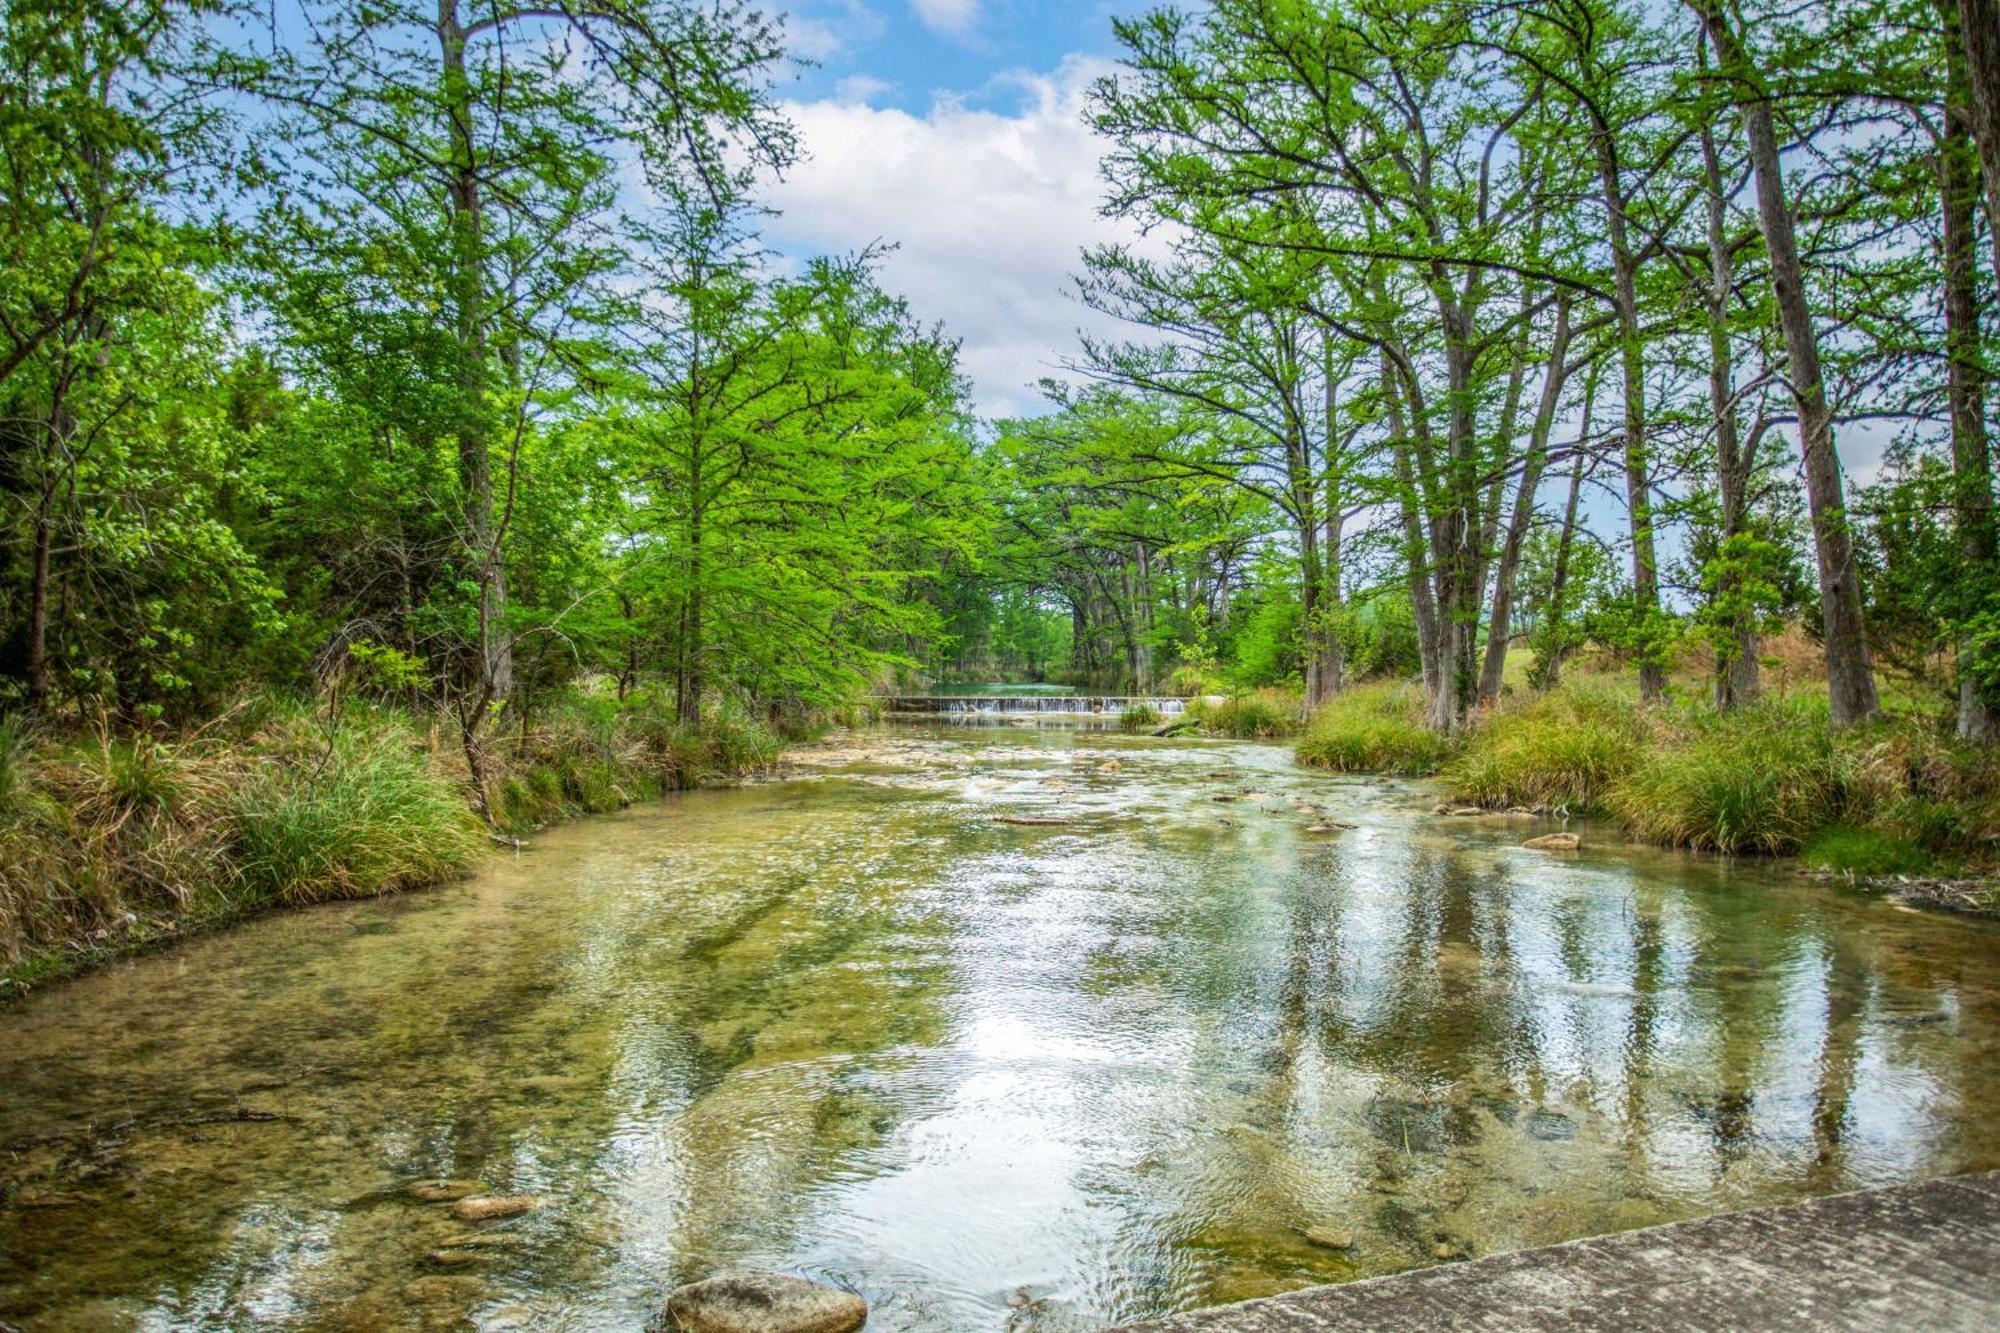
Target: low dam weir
{"type": "Point", "coordinates": [1027, 705]}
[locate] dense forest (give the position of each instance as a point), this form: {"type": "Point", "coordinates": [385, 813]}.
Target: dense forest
{"type": "Point", "coordinates": [417, 370]}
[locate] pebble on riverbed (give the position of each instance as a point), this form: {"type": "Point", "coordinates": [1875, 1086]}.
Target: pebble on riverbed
{"type": "Point", "coordinates": [1554, 842]}
{"type": "Point", "coordinates": [486, 1207]}
{"type": "Point", "coordinates": [1330, 1238]}
{"type": "Point", "coordinates": [764, 1303]}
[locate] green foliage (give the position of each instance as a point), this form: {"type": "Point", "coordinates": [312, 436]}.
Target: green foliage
{"type": "Point", "coordinates": [1266, 641]}
{"type": "Point", "coordinates": [1265, 715]}
{"type": "Point", "coordinates": [1865, 852]}
{"type": "Point", "coordinates": [367, 817]}
{"type": "Point", "coordinates": [1138, 717]}
{"type": "Point", "coordinates": [1377, 728]}
{"type": "Point", "coordinates": [1756, 780]}
{"type": "Point", "coordinates": [1379, 633]}
{"type": "Point", "coordinates": [1559, 751]}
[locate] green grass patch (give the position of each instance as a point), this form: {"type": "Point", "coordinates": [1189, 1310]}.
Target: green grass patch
{"type": "Point", "coordinates": [372, 818]}
{"type": "Point", "coordinates": [1265, 715]}
{"type": "Point", "coordinates": [112, 844]}
{"type": "Point", "coordinates": [1375, 728]}
{"type": "Point", "coordinates": [1562, 751]}
{"type": "Point", "coordinates": [1866, 852]}
{"type": "Point", "coordinates": [1763, 779]}
{"type": "Point", "coordinates": [1139, 717]}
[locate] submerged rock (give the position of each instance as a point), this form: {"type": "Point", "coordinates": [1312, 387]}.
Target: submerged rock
{"type": "Point", "coordinates": [444, 1191]}
{"type": "Point", "coordinates": [764, 1303]}
{"type": "Point", "coordinates": [1555, 842]}
{"type": "Point", "coordinates": [486, 1207]}
{"type": "Point", "coordinates": [1330, 1238]}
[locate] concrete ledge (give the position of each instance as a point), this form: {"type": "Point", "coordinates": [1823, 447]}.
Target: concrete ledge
{"type": "Point", "coordinates": [1923, 1256]}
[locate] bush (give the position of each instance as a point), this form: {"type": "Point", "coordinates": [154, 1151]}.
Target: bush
{"type": "Point", "coordinates": [1374, 729]}
{"type": "Point", "coordinates": [1379, 633]}
{"type": "Point", "coordinates": [373, 817]}
{"type": "Point", "coordinates": [1264, 715]}
{"type": "Point", "coordinates": [1139, 717]}
{"type": "Point", "coordinates": [1560, 751]}
{"type": "Point", "coordinates": [1762, 779]}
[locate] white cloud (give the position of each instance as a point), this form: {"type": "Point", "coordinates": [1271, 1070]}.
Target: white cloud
{"type": "Point", "coordinates": [991, 212]}
{"type": "Point", "coordinates": [954, 18]}
{"type": "Point", "coordinates": [861, 88]}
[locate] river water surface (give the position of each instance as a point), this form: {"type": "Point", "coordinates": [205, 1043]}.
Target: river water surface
{"type": "Point", "coordinates": [993, 1076]}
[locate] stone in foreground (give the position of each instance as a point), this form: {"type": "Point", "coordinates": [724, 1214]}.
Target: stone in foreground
{"type": "Point", "coordinates": [763, 1303]}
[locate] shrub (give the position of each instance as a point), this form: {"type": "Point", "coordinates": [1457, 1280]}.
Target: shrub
{"type": "Point", "coordinates": [1762, 779]}
{"type": "Point", "coordinates": [1375, 728]}
{"type": "Point", "coordinates": [372, 817]}
{"type": "Point", "coordinates": [1561, 750]}
{"type": "Point", "coordinates": [1264, 715]}
{"type": "Point", "coordinates": [1138, 717]}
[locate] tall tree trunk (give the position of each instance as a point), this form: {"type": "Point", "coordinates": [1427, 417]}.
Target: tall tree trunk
{"type": "Point", "coordinates": [1455, 542]}
{"type": "Point", "coordinates": [1548, 674]}
{"type": "Point", "coordinates": [1499, 624]}
{"type": "Point", "coordinates": [1332, 494]}
{"type": "Point", "coordinates": [1423, 600]}
{"type": "Point", "coordinates": [1736, 668]}
{"type": "Point", "coordinates": [1632, 366]}
{"type": "Point", "coordinates": [38, 605]}
{"type": "Point", "coordinates": [1850, 680]}
{"type": "Point", "coordinates": [1979, 34]}
{"type": "Point", "coordinates": [1958, 177]}
{"type": "Point", "coordinates": [494, 653]}
{"type": "Point", "coordinates": [690, 685]}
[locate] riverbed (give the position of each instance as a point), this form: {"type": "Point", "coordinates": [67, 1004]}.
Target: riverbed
{"type": "Point", "coordinates": [1200, 1026]}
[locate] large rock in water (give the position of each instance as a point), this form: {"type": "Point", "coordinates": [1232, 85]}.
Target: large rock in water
{"type": "Point", "coordinates": [764, 1303]}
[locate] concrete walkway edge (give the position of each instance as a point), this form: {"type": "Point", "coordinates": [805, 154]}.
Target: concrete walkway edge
{"type": "Point", "coordinates": [1921, 1256]}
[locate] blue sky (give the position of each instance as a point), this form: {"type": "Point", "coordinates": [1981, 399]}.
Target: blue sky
{"type": "Point", "coordinates": [954, 130]}
{"type": "Point", "coordinates": [906, 53]}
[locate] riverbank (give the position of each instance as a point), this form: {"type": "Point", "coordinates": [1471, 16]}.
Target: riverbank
{"type": "Point", "coordinates": [1897, 798]}
{"type": "Point", "coordinates": [115, 844]}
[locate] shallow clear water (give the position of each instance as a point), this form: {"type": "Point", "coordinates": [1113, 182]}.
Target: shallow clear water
{"type": "Point", "coordinates": [993, 1076]}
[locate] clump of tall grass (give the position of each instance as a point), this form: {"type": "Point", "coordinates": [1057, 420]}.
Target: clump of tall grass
{"type": "Point", "coordinates": [100, 835]}
{"type": "Point", "coordinates": [1265, 715]}
{"type": "Point", "coordinates": [1560, 750]}
{"type": "Point", "coordinates": [587, 754]}
{"type": "Point", "coordinates": [1374, 728]}
{"type": "Point", "coordinates": [1761, 779]}
{"type": "Point", "coordinates": [372, 817]}
{"type": "Point", "coordinates": [1138, 717]}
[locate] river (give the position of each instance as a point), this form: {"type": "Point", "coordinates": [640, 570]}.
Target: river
{"type": "Point", "coordinates": [993, 1076]}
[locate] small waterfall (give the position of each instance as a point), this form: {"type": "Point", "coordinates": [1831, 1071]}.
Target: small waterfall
{"type": "Point", "coordinates": [1028, 705]}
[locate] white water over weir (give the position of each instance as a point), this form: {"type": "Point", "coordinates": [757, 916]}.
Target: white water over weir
{"type": "Point", "coordinates": [1027, 705]}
